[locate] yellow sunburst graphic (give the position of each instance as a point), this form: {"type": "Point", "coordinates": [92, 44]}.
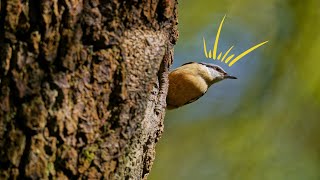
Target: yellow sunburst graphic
{"type": "Point", "coordinates": [212, 54]}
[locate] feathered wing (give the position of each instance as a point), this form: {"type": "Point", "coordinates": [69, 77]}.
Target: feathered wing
{"type": "Point", "coordinates": [194, 99]}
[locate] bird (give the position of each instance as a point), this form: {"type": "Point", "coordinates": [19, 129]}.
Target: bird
{"type": "Point", "coordinates": [191, 80]}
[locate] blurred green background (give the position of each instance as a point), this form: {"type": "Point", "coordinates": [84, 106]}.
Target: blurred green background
{"type": "Point", "coordinates": [265, 125]}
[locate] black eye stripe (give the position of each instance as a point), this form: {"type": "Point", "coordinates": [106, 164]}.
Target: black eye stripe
{"type": "Point", "coordinates": [215, 67]}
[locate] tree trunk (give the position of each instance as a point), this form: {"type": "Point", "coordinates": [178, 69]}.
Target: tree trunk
{"type": "Point", "coordinates": [83, 86]}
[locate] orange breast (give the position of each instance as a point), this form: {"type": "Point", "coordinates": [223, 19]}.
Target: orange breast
{"type": "Point", "coordinates": [184, 87]}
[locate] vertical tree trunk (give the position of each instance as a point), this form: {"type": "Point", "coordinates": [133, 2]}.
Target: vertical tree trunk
{"type": "Point", "coordinates": [83, 86]}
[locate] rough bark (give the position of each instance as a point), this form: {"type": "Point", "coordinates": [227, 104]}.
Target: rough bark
{"type": "Point", "coordinates": [83, 85]}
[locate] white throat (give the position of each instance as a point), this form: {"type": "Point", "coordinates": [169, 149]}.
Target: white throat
{"type": "Point", "coordinates": [213, 73]}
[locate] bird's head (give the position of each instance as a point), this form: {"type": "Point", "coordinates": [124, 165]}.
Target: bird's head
{"type": "Point", "coordinates": [215, 73]}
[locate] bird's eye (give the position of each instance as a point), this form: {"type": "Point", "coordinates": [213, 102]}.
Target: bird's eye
{"type": "Point", "coordinates": [219, 70]}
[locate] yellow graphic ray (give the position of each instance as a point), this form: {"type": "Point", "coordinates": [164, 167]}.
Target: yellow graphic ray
{"type": "Point", "coordinates": [210, 55]}
{"type": "Point", "coordinates": [219, 56]}
{"type": "Point", "coordinates": [245, 53]}
{"type": "Point", "coordinates": [226, 53]}
{"type": "Point", "coordinates": [205, 48]}
{"type": "Point", "coordinates": [217, 39]}
{"type": "Point", "coordinates": [230, 57]}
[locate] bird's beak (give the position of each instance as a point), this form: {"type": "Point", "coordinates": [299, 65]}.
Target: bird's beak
{"type": "Point", "coordinates": [229, 77]}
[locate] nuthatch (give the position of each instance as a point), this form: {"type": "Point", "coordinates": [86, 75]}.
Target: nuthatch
{"type": "Point", "coordinates": [190, 81]}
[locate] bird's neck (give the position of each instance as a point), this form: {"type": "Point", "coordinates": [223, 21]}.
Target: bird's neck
{"type": "Point", "coordinates": [211, 76]}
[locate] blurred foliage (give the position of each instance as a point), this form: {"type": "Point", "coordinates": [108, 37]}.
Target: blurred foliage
{"type": "Point", "coordinates": [273, 132]}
